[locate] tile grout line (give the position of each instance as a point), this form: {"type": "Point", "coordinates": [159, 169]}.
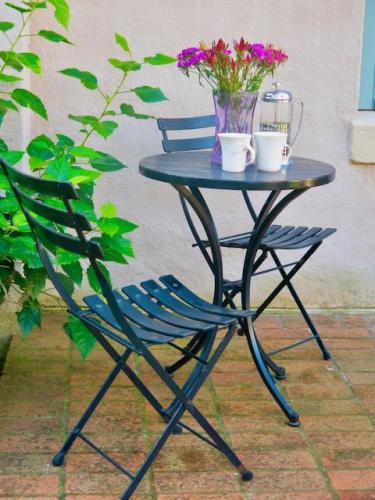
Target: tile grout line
{"type": "Point", "coordinates": [347, 382]}
{"type": "Point", "coordinates": [65, 421]}
{"type": "Point", "coordinates": [222, 429]}
{"type": "Point", "coordinates": [145, 430]}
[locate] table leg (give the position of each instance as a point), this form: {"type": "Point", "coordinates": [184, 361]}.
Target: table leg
{"type": "Point", "coordinates": [266, 217]}
{"type": "Point", "coordinates": [193, 198]}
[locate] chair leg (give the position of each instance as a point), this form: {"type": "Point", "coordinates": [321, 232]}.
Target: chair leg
{"type": "Point", "coordinates": [246, 474]}
{"type": "Point", "coordinates": [60, 456]}
{"type": "Point", "coordinates": [283, 283]}
{"type": "Point", "coordinates": [279, 371]}
{"type": "Point", "coordinates": [182, 403]}
{"type": "Point", "coordinates": [153, 454]}
{"type": "Point", "coordinates": [254, 345]}
{"type": "Point", "coordinates": [310, 324]}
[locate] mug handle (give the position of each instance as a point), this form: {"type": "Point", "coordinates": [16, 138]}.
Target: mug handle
{"type": "Point", "coordinates": [248, 147]}
{"type": "Point", "coordinates": [289, 151]}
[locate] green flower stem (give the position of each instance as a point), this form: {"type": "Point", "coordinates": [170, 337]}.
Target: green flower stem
{"type": "Point", "coordinates": [7, 37]}
{"type": "Point", "coordinates": [19, 35]}
{"type": "Point", "coordinates": [105, 109]}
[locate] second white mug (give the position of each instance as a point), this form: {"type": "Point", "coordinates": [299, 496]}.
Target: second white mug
{"type": "Point", "coordinates": [269, 150]}
{"type": "Point", "coordinates": [234, 147]}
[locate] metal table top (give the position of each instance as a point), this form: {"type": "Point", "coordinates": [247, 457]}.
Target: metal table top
{"type": "Point", "coordinates": [193, 168]}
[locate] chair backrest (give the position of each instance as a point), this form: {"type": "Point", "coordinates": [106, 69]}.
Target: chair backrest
{"type": "Point", "coordinates": [188, 144]}
{"type": "Point", "coordinates": [45, 220]}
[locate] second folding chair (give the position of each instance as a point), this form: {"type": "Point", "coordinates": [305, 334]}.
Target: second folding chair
{"type": "Point", "coordinates": [278, 237]}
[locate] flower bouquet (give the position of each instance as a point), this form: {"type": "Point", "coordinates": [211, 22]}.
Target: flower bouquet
{"type": "Point", "coordinates": [235, 76]}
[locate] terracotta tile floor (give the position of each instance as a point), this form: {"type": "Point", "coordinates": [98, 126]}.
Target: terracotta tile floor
{"type": "Point", "coordinates": [45, 386]}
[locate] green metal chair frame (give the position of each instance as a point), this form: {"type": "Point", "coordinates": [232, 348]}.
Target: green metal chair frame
{"type": "Point", "coordinates": [135, 320]}
{"type": "Point", "coordinates": [277, 238]}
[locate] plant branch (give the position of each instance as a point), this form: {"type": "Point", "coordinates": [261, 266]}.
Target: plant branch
{"type": "Point", "coordinates": [105, 109]}
{"type": "Point", "coordinates": [19, 35]}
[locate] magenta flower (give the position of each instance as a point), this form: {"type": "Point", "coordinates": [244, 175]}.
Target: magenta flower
{"type": "Point", "coordinates": [224, 70]}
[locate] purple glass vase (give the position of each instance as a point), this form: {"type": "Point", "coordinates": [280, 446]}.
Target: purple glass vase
{"type": "Point", "coordinates": [234, 113]}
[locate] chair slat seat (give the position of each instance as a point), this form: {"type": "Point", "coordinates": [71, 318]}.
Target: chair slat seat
{"type": "Point", "coordinates": [103, 311]}
{"type": "Point", "coordinates": [163, 296]}
{"type": "Point", "coordinates": [188, 296]}
{"type": "Point", "coordinates": [152, 323]}
{"type": "Point", "coordinates": [142, 300]}
{"type": "Point", "coordinates": [283, 237]}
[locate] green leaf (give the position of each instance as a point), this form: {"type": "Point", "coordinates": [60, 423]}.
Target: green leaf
{"type": "Point", "coordinates": [41, 147]}
{"type": "Point", "coordinates": [84, 119]}
{"type": "Point", "coordinates": [24, 248]}
{"type": "Point", "coordinates": [122, 41]}
{"type": "Point", "coordinates": [9, 203]}
{"type": "Point", "coordinates": [35, 5]}
{"type": "Point", "coordinates": [64, 140]}
{"type": "Point", "coordinates": [84, 207]}
{"type": "Point", "coordinates": [125, 66]}
{"type": "Point", "coordinates": [4, 247]}
{"type": "Point", "coordinates": [63, 257]}
{"type": "Point", "coordinates": [37, 163]}
{"type": "Point", "coordinates": [35, 280]}
{"type": "Point", "coordinates": [6, 104]}
{"type": "Point", "coordinates": [66, 282]}
{"type": "Point", "coordinates": [108, 210]}
{"type": "Point", "coordinates": [17, 7]}
{"type": "Point", "coordinates": [149, 94]}
{"type": "Point", "coordinates": [115, 247]}
{"type": "Point", "coordinates": [104, 128]}
{"type": "Point", "coordinates": [127, 109]}
{"type": "Point", "coordinates": [29, 317]}
{"type": "Point", "coordinates": [6, 26]}
{"type": "Point", "coordinates": [122, 245]}
{"type": "Point", "coordinates": [85, 152]}
{"type": "Point", "coordinates": [61, 170]}
{"type": "Point", "coordinates": [12, 157]}
{"type": "Point", "coordinates": [31, 61]}
{"type": "Point", "coordinates": [10, 59]}
{"type": "Point", "coordinates": [3, 221]}
{"type": "Point", "coordinates": [29, 100]}
{"type": "Point", "coordinates": [7, 273]}
{"type": "Point", "coordinates": [87, 79]}
{"type": "Point", "coordinates": [62, 12]}
{"type": "Point", "coordinates": [3, 146]}
{"type": "Point", "coordinates": [19, 221]}
{"type": "Point", "coordinates": [52, 36]}
{"type": "Point", "coordinates": [9, 78]}
{"type": "Point", "coordinates": [115, 226]}
{"type": "Point", "coordinates": [158, 59]}
{"type": "Point", "coordinates": [93, 280]}
{"type": "Point", "coordinates": [80, 335]}
{"type": "Point", "coordinates": [106, 163]}
{"type": "Point", "coordinates": [74, 271]}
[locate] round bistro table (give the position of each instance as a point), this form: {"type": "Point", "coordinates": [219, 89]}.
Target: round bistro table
{"type": "Point", "coordinates": [189, 171]}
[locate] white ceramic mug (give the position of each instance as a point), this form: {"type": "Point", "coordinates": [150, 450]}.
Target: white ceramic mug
{"type": "Point", "coordinates": [270, 150]}
{"type": "Point", "coordinates": [234, 148]}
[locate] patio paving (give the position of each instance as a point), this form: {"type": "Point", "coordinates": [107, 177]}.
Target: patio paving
{"type": "Point", "coordinates": [45, 386]}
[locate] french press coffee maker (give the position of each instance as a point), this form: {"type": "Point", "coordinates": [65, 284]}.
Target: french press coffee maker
{"type": "Point", "coordinates": [277, 112]}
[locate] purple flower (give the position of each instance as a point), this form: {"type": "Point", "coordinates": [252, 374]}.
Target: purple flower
{"type": "Point", "coordinates": [189, 51]}
{"type": "Point", "coordinates": [190, 57]}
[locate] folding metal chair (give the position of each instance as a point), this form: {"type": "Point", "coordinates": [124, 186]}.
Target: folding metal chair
{"type": "Point", "coordinates": [277, 238]}
{"type": "Point", "coordinates": [135, 320]}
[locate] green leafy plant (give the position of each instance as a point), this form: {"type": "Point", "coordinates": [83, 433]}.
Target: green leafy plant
{"type": "Point", "coordinates": [64, 159]}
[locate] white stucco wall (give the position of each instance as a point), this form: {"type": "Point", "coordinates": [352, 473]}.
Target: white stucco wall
{"type": "Point", "coordinates": [323, 40]}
